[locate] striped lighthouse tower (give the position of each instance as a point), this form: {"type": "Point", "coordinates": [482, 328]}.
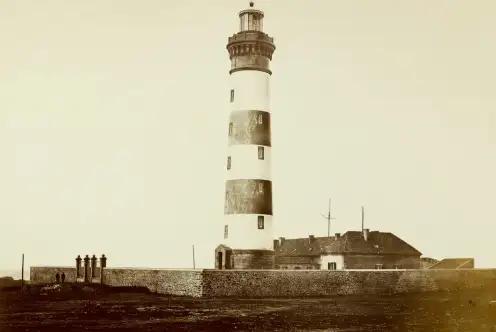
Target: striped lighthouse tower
{"type": "Point", "coordinates": [248, 236]}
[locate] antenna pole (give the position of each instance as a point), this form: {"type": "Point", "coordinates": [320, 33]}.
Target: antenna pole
{"type": "Point", "coordinates": [194, 266]}
{"type": "Point", "coordinates": [328, 218]}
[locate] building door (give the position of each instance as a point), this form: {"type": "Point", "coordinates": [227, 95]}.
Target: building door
{"type": "Point", "coordinates": [331, 266]}
{"type": "Point", "coordinates": [219, 260]}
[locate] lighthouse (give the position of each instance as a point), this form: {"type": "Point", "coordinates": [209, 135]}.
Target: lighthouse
{"type": "Point", "coordinates": [248, 215]}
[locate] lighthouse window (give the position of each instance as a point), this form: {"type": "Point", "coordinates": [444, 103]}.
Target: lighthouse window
{"type": "Point", "coordinates": [230, 128]}
{"type": "Point", "coordinates": [255, 21]}
{"type": "Point", "coordinates": [232, 95]}
{"type": "Point", "coordinates": [261, 222]}
{"type": "Point", "coordinates": [225, 232]}
{"type": "Point", "coordinates": [260, 187]}
{"type": "Point", "coordinates": [229, 162]}
{"type": "Point", "coordinates": [261, 155]}
{"type": "Point", "coordinates": [260, 119]}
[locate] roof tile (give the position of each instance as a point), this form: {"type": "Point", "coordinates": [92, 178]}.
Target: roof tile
{"type": "Point", "coordinates": [350, 242]}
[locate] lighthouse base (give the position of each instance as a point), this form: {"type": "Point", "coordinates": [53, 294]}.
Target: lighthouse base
{"type": "Point", "coordinates": [242, 259]}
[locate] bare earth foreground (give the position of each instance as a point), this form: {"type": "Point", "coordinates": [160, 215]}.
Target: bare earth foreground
{"type": "Point", "coordinates": [73, 308]}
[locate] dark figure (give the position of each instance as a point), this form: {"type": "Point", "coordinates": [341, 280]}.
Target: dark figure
{"type": "Point", "coordinates": [63, 277]}
{"type": "Point", "coordinates": [57, 277]}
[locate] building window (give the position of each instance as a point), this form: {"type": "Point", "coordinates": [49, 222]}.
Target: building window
{"type": "Point", "coordinates": [232, 95]}
{"type": "Point", "coordinates": [309, 268]}
{"type": "Point", "coordinates": [378, 266]}
{"type": "Point", "coordinates": [261, 155]}
{"type": "Point", "coordinates": [297, 268]}
{"type": "Point", "coordinates": [331, 266]}
{"type": "Point", "coordinates": [261, 222]}
{"type": "Point", "coordinates": [231, 125]}
{"type": "Point", "coordinates": [259, 119]}
{"type": "Point", "coordinates": [284, 267]}
{"type": "Point", "coordinates": [229, 162]}
{"type": "Point", "coordinates": [225, 232]}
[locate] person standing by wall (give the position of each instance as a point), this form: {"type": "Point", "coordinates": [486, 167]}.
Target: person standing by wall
{"type": "Point", "coordinates": [57, 277]}
{"type": "Point", "coordinates": [63, 277]}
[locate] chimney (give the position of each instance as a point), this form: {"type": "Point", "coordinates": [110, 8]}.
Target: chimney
{"type": "Point", "coordinates": [337, 235]}
{"type": "Point", "coordinates": [276, 243]}
{"type": "Point", "coordinates": [281, 240]}
{"type": "Point", "coordinates": [366, 234]}
{"type": "Point", "coordinates": [310, 238]}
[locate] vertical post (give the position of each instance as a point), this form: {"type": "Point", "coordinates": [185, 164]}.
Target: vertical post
{"type": "Point", "coordinates": [78, 267]}
{"type": "Point", "coordinates": [93, 267]}
{"type": "Point", "coordinates": [194, 266]}
{"type": "Point", "coordinates": [86, 269]}
{"type": "Point", "coordinates": [103, 265]}
{"type": "Point", "coordinates": [363, 217]}
{"type": "Point", "coordinates": [22, 274]}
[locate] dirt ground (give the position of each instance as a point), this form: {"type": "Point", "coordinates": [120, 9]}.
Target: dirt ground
{"type": "Point", "coordinates": [71, 309]}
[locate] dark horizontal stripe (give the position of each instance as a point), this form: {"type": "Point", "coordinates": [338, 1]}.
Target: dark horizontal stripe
{"type": "Point", "coordinates": [245, 196]}
{"type": "Point", "coordinates": [259, 62]}
{"type": "Point", "coordinates": [253, 259]}
{"type": "Point", "coordinates": [268, 71]}
{"type": "Point", "coordinates": [250, 127]}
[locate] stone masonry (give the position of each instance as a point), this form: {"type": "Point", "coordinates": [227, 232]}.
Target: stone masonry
{"type": "Point", "coordinates": [283, 283]}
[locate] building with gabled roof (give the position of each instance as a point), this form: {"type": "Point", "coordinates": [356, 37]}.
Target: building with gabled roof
{"type": "Point", "coordinates": [352, 250]}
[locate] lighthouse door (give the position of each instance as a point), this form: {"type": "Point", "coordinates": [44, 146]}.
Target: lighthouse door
{"type": "Point", "coordinates": [219, 260]}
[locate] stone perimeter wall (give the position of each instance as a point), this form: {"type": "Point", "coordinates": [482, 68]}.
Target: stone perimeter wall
{"type": "Point", "coordinates": [162, 281]}
{"type": "Point", "coordinates": [46, 274]}
{"type": "Point", "coordinates": [284, 283]}
{"type": "Point", "coordinates": [309, 283]}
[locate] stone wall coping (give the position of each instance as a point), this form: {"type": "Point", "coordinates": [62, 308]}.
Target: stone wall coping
{"type": "Point", "coordinates": [466, 269]}
{"type": "Point", "coordinates": [53, 267]}
{"type": "Point", "coordinates": [152, 269]}
{"type": "Point", "coordinates": [349, 270]}
{"type": "Point", "coordinates": [266, 270]}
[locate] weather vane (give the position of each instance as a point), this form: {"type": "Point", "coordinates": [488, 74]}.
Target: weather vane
{"type": "Point", "coordinates": [251, 3]}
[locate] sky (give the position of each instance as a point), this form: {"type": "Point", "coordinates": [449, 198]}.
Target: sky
{"type": "Point", "coordinates": [114, 116]}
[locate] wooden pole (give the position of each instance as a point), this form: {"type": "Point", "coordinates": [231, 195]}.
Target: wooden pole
{"type": "Point", "coordinates": [194, 266]}
{"type": "Point", "coordinates": [363, 218]}
{"type": "Point", "coordinates": [22, 274]}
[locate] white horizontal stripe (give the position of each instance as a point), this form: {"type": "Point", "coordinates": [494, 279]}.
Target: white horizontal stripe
{"type": "Point", "coordinates": [245, 163]}
{"type": "Point", "coordinates": [243, 232]}
{"type": "Point", "coordinates": [251, 90]}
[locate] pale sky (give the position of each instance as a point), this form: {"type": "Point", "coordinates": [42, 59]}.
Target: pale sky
{"type": "Point", "coordinates": [114, 117]}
